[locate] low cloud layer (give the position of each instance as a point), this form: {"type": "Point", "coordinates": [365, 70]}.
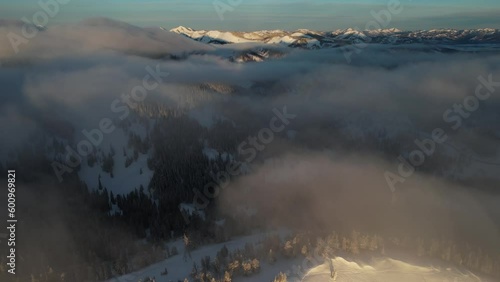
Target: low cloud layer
{"type": "Point", "coordinates": [93, 35]}
{"type": "Point", "coordinates": [317, 192]}
{"type": "Point", "coordinates": [67, 71]}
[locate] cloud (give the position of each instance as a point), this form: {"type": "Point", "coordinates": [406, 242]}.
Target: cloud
{"type": "Point", "coordinates": [74, 72]}
{"type": "Point", "coordinates": [93, 35]}
{"type": "Point", "coordinates": [322, 191]}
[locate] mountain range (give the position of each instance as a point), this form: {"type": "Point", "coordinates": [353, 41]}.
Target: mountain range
{"type": "Point", "coordinates": [310, 39]}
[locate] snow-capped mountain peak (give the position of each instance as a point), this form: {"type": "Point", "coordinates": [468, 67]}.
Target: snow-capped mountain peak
{"type": "Point", "coordinates": [181, 29]}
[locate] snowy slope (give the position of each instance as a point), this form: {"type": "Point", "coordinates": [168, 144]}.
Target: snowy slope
{"type": "Point", "coordinates": [387, 270]}
{"type": "Point", "coordinates": [125, 178]}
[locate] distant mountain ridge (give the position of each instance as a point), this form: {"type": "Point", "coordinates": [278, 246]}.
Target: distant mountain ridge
{"type": "Point", "coordinates": [310, 39]}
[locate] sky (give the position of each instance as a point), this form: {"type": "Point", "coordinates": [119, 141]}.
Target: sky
{"type": "Point", "coordinates": [268, 14]}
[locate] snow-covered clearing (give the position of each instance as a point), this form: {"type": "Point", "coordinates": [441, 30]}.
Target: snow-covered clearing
{"type": "Point", "coordinates": [180, 268]}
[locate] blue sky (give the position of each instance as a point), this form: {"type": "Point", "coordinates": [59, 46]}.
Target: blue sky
{"type": "Point", "coordinates": [270, 14]}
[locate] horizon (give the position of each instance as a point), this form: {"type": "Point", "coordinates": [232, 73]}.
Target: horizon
{"type": "Point", "coordinates": [170, 27]}
{"type": "Point", "coordinates": [246, 15]}
{"type": "Point", "coordinates": [332, 30]}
